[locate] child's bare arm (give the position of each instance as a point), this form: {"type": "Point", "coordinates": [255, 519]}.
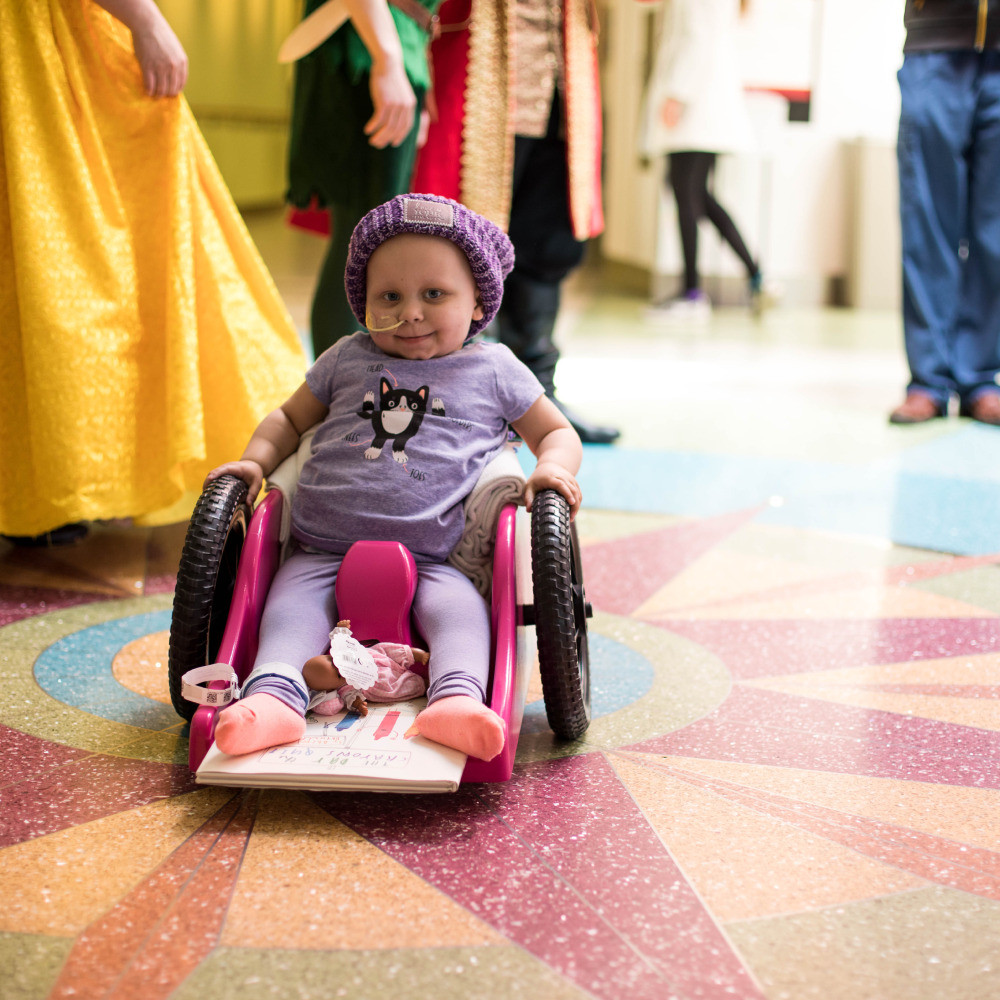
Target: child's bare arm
{"type": "Point", "coordinates": [558, 451]}
{"type": "Point", "coordinates": [275, 438]}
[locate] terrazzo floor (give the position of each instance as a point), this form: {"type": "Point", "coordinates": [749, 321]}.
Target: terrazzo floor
{"type": "Point", "coordinates": [790, 789]}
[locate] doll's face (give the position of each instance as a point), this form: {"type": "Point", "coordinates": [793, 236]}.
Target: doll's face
{"type": "Point", "coordinates": [425, 284]}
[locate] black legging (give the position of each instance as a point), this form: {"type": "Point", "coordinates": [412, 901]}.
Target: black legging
{"type": "Point", "coordinates": [688, 173]}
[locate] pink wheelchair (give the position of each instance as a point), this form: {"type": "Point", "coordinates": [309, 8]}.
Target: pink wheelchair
{"type": "Point", "coordinates": [231, 553]}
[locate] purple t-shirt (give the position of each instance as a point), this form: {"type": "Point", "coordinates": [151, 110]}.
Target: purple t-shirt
{"type": "Point", "coordinates": [404, 443]}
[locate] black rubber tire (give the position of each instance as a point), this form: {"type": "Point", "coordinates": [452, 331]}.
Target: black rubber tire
{"type": "Point", "coordinates": [206, 578]}
{"type": "Point", "coordinates": [560, 616]}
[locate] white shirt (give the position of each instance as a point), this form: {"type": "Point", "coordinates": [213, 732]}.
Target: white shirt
{"type": "Point", "coordinates": [697, 64]}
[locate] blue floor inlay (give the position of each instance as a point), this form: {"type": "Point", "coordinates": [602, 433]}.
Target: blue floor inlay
{"type": "Point", "coordinates": [76, 670]}
{"type": "Point", "coordinates": [619, 676]}
{"type": "Point", "coordinates": [930, 496]}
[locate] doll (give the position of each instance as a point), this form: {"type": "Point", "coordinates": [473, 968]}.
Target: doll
{"type": "Point", "coordinates": [395, 680]}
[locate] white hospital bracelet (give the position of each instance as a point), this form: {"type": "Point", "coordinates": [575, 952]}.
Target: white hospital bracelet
{"type": "Point", "coordinates": [192, 690]}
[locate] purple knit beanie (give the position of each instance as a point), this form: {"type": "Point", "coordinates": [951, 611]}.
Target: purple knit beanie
{"type": "Point", "coordinates": [490, 253]}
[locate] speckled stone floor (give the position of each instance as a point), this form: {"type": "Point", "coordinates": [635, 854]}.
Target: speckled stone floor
{"type": "Point", "coordinates": [790, 790]}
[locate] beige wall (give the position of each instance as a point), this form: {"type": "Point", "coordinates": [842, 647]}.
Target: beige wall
{"type": "Point", "coordinates": [817, 200]}
{"type": "Point", "coordinates": [239, 93]}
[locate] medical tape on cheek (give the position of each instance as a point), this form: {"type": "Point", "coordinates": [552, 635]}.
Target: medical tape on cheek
{"type": "Point", "coordinates": [372, 328]}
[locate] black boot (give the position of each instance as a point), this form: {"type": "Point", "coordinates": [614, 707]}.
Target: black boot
{"type": "Point", "coordinates": [589, 433]}
{"type": "Point", "coordinates": [525, 323]}
{"type": "Point", "coordinates": [66, 534]}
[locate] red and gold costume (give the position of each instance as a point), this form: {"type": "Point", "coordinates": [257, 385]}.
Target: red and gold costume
{"type": "Point", "coordinates": [470, 149]}
{"type": "Point", "coordinates": [518, 139]}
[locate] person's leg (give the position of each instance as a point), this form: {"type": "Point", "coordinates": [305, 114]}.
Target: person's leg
{"type": "Point", "coordinates": [937, 105]}
{"type": "Point", "coordinates": [545, 251]}
{"type": "Point", "coordinates": [527, 316]}
{"type": "Point", "coordinates": [976, 349]}
{"type": "Point", "coordinates": [331, 317]}
{"type": "Point", "coordinates": [298, 616]}
{"type": "Point", "coordinates": [723, 222]}
{"type": "Point", "coordinates": [525, 324]}
{"type": "Point", "coordinates": [382, 174]}
{"type": "Point", "coordinates": [331, 161]}
{"type": "Point", "coordinates": [454, 619]}
{"type": "Point", "coordinates": [326, 135]}
{"type": "Point", "coordinates": [688, 176]}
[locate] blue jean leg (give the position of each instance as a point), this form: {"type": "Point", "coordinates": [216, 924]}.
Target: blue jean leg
{"type": "Point", "coordinates": [937, 111]}
{"type": "Point", "coordinates": [976, 347]}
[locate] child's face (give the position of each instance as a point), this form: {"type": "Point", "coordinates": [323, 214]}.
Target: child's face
{"type": "Point", "coordinates": [425, 282]}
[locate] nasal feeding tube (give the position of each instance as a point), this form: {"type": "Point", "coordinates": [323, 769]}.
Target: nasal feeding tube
{"type": "Point", "coordinates": [372, 328]}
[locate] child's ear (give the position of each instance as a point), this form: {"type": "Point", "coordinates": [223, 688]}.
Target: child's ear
{"type": "Point", "coordinates": [478, 313]}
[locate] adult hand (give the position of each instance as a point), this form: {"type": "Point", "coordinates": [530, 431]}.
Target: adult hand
{"type": "Point", "coordinates": [671, 111]}
{"type": "Point", "coordinates": [428, 115]}
{"type": "Point", "coordinates": [162, 58]}
{"type": "Point", "coordinates": [395, 105]}
{"type": "Point", "coordinates": [422, 128]}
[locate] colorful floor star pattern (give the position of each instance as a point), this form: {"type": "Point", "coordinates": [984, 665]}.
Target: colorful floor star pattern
{"type": "Point", "coordinates": [790, 789]}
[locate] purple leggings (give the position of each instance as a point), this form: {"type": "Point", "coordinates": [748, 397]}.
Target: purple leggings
{"type": "Point", "coordinates": [301, 611]}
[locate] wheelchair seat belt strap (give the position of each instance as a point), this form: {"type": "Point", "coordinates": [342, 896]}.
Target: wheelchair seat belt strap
{"type": "Point", "coordinates": [192, 681]}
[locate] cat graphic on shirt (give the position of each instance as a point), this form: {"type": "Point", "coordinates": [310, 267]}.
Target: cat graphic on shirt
{"type": "Point", "coordinates": [398, 418]}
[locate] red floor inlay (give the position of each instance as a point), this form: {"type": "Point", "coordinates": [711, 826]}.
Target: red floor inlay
{"type": "Point", "coordinates": [774, 648]}
{"type": "Point", "coordinates": [937, 859]}
{"type": "Point", "coordinates": [149, 943]}
{"type": "Point", "coordinates": [562, 862]}
{"type": "Point", "coordinates": [23, 756]}
{"type": "Point", "coordinates": [755, 726]}
{"type": "Point", "coordinates": [624, 573]}
{"type": "Point", "coordinates": [85, 790]}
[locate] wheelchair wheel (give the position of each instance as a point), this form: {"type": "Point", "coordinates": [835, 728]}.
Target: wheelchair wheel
{"type": "Point", "coordinates": [560, 616]}
{"type": "Point", "coordinates": [206, 578]}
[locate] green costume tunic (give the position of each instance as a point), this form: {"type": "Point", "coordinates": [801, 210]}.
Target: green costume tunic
{"type": "Point", "coordinates": [330, 160]}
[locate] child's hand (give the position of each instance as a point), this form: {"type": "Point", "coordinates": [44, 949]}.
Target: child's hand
{"type": "Point", "coordinates": [552, 476]}
{"type": "Point", "coordinates": [246, 469]}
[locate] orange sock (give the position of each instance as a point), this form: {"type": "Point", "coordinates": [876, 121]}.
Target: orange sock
{"type": "Point", "coordinates": [255, 723]}
{"type": "Point", "coordinates": [465, 724]}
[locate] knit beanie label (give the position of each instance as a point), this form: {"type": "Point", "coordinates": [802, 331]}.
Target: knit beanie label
{"type": "Point", "coordinates": [431, 213]}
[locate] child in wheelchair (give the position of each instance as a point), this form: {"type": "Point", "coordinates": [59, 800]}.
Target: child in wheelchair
{"type": "Point", "coordinates": [410, 411]}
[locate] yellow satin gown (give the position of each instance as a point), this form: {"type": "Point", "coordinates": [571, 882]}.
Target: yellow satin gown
{"type": "Point", "coordinates": [141, 337]}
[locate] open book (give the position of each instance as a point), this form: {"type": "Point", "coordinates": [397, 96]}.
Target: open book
{"type": "Point", "coordinates": [373, 753]}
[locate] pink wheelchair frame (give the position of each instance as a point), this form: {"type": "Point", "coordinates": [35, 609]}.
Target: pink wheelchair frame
{"type": "Point", "coordinates": [375, 589]}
